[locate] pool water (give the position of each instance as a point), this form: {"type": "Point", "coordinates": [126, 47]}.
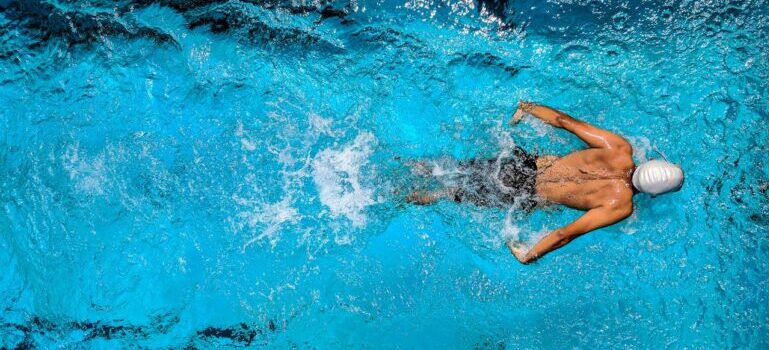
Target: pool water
{"type": "Point", "coordinates": [226, 174]}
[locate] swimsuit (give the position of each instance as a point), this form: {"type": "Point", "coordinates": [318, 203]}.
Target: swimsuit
{"type": "Point", "coordinates": [499, 182]}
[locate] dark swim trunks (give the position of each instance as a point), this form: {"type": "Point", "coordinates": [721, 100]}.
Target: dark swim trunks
{"type": "Point", "coordinates": [502, 182]}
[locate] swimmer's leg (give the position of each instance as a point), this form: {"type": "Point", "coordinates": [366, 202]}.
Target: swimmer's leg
{"type": "Point", "coordinates": [420, 168]}
{"type": "Point", "coordinates": [430, 197]}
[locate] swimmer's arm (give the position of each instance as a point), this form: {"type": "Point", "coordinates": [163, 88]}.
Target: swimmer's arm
{"type": "Point", "coordinates": [594, 219]}
{"type": "Point", "coordinates": [593, 136]}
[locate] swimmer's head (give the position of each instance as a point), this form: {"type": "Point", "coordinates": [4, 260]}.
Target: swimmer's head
{"type": "Point", "coordinates": [657, 177]}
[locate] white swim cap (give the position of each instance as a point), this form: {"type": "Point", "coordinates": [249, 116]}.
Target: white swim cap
{"type": "Point", "coordinates": [657, 176]}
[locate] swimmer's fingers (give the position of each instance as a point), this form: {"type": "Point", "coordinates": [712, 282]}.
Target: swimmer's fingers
{"type": "Point", "coordinates": [517, 116]}
{"type": "Point", "coordinates": [518, 249]}
{"type": "Point", "coordinates": [513, 245]}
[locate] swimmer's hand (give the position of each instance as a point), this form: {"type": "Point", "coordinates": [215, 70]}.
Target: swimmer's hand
{"type": "Point", "coordinates": [519, 250]}
{"type": "Point", "coordinates": [523, 109]}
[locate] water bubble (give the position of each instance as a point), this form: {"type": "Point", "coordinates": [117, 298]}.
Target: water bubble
{"type": "Point", "coordinates": [619, 20]}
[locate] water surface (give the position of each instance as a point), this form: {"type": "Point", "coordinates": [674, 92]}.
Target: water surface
{"type": "Point", "coordinates": [230, 174]}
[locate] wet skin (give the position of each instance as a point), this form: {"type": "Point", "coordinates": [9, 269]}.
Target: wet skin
{"type": "Point", "coordinates": [596, 180]}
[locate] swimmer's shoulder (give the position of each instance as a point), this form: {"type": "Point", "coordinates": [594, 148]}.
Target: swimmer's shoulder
{"type": "Point", "coordinates": [621, 198]}
{"type": "Point", "coordinates": [616, 158]}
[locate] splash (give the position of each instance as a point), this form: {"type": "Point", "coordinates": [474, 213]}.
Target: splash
{"type": "Point", "coordinates": [270, 216]}
{"type": "Point", "coordinates": [88, 175]}
{"type": "Point", "coordinates": [641, 147]}
{"type": "Point", "coordinates": [245, 142]}
{"type": "Point", "coordinates": [510, 231]}
{"type": "Point", "coordinates": [337, 176]}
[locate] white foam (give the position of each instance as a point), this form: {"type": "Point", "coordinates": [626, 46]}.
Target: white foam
{"type": "Point", "coordinates": [320, 125]}
{"type": "Point", "coordinates": [245, 142]}
{"type": "Point", "coordinates": [629, 226]}
{"type": "Point", "coordinates": [337, 176]}
{"type": "Point", "coordinates": [641, 146]}
{"type": "Point", "coordinates": [540, 128]}
{"type": "Point", "coordinates": [269, 216]}
{"type": "Point", "coordinates": [503, 133]}
{"type": "Point", "coordinates": [510, 231]}
{"type": "Point", "coordinates": [440, 170]}
{"type": "Point", "coordinates": [88, 175]}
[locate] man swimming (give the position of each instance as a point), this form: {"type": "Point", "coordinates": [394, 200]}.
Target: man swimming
{"type": "Point", "coordinates": [600, 180]}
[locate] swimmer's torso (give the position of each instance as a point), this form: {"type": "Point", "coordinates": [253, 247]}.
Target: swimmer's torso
{"type": "Point", "coordinates": [586, 179]}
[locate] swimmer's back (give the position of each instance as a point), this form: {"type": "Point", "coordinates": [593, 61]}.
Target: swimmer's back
{"type": "Point", "coordinates": [588, 178]}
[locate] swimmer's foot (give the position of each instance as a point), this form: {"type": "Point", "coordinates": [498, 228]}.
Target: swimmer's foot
{"type": "Point", "coordinates": [422, 197]}
{"type": "Point", "coordinates": [430, 197]}
{"type": "Point", "coordinates": [420, 168]}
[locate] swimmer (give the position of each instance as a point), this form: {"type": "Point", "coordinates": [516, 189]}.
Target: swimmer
{"type": "Point", "coordinates": [600, 180]}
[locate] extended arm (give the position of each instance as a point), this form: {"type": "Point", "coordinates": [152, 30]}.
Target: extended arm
{"type": "Point", "coordinates": [595, 218]}
{"type": "Point", "coordinates": [593, 136]}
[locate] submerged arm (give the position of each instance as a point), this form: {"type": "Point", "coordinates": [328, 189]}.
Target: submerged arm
{"type": "Point", "coordinates": [593, 136]}
{"type": "Point", "coordinates": [595, 218]}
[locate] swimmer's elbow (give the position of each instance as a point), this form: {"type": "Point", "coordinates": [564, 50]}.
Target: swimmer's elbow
{"type": "Point", "coordinates": [621, 212]}
{"type": "Point", "coordinates": [622, 145]}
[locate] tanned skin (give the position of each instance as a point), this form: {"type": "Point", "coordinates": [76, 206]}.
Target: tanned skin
{"type": "Point", "coordinates": [596, 180]}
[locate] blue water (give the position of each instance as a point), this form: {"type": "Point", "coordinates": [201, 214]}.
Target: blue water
{"type": "Point", "coordinates": [226, 174]}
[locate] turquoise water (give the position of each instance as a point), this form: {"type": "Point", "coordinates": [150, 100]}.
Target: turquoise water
{"type": "Point", "coordinates": [225, 174]}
